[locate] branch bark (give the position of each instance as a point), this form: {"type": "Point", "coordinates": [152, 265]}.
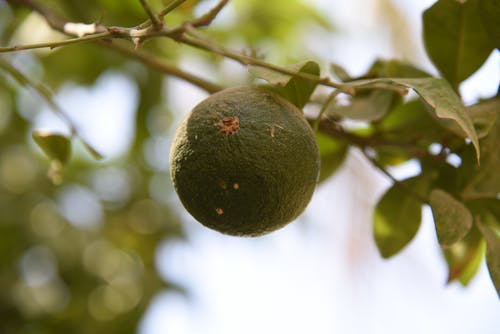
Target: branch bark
{"type": "Point", "coordinates": [154, 19]}
{"type": "Point", "coordinates": [179, 34]}
{"type": "Point", "coordinates": [58, 23]}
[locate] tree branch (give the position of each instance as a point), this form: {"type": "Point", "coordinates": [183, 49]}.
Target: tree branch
{"type": "Point", "coordinates": [58, 23]}
{"type": "Point", "coordinates": [403, 186]}
{"type": "Point", "coordinates": [206, 19]}
{"type": "Point", "coordinates": [54, 20]}
{"type": "Point", "coordinates": [178, 34]}
{"type": "Point", "coordinates": [154, 20]}
{"type": "Point", "coordinates": [170, 7]}
{"type": "Point", "coordinates": [43, 91]}
{"type": "Point", "coordinates": [335, 130]}
{"type": "Point", "coordinates": [165, 68]}
{"type": "Point", "coordinates": [53, 45]}
{"type": "Point", "coordinates": [247, 60]}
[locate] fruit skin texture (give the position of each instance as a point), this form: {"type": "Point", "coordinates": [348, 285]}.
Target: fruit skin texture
{"type": "Point", "coordinates": [244, 162]}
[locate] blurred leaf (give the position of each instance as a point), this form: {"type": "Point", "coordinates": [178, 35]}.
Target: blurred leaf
{"type": "Point", "coordinates": [398, 215]}
{"type": "Point", "coordinates": [339, 72]}
{"type": "Point", "coordinates": [437, 94]}
{"type": "Point", "coordinates": [484, 115]}
{"type": "Point", "coordinates": [455, 38]}
{"type": "Point", "coordinates": [446, 105]}
{"type": "Point", "coordinates": [405, 117]}
{"type": "Point", "coordinates": [365, 108]}
{"type": "Point", "coordinates": [271, 76]}
{"type": "Point", "coordinates": [447, 178]}
{"type": "Point", "coordinates": [392, 155]}
{"type": "Point", "coordinates": [410, 120]}
{"type": "Point", "coordinates": [332, 154]}
{"type": "Point", "coordinates": [484, 180]}
{"type": "Point", "coordinates": [122, 13]}
{"type": "Point", "coordinates": [465, 257]}
{"type": "Point", "coordinates": [451, 217]}
{"type": "Point", "coordinates": [490, 228]}
{"type": "Point", "coordinates": [394, 68]}
{"type": "Point", "coordinates": [55, 146]}
{"type": "Point", "coordinates": [281, 22]}
{"type": "Point", "coordinates": [490, 12]}
{"type": "Point", "coordinates": [294, 89]}
{"type": "Point", "coordinates": [492, 205]}
{"type": "Point", "coordinates": [406, 129]}
{"type": "Point", "coordinates": [82, 63]}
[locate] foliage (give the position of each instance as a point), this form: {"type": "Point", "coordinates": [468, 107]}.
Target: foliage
{"type": "Point", "coordinates": [57, 275]}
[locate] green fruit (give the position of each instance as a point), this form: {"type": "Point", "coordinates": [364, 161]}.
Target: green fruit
{"type": "Point", "coordinates": [244, 162]}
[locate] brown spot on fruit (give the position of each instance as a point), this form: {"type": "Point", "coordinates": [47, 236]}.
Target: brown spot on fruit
{"type": "Point", "coordinates": [229, 125]}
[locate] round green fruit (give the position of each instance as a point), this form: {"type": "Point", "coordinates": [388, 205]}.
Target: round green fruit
{"type": "Point", "coordinates": [244, 162]}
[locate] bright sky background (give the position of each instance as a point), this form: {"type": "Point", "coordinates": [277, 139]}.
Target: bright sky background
{"type": "Point", "coordinates": [322, 273]}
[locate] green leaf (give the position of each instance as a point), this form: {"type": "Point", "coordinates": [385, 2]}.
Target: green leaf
{"type": "Point", "coordinates": [465, 257]}
{"type": "Point", "coordinates": [339, 72]}
{"type": "Point", "coordinates": [81, 63]}
{"type": "Point", "coordinates": [279, 22]}
{"type": "Point", "coordinates": [273, 77]}
{"type": "Point", "coordinates": [484, 180]}
{"type": "Point", "coordinates": [455, 38]}
{"type": "Point", "coordinates": [447, 176]}
{"type": "Point", "coordinates": [490, 12]}
{"type": "Point", "coordinates": [484, 115]}
{"type": "Point", "coordinates": [368, 108]}
{"type": "Point", "coordinates": [409, 121]}
{"type": "Point", "coordinates": [398, 215]}
{"type": "Point", "coordinates": [295, 89]}
{"type": "Point", "coordinates": [493, 207]}
{"type": "Point", "coordinates": [392, 155]}
{"type": "Point", "coordinates": [332, 154]}
{"type": "Point", "coordinates": [490, 228]}
{"type": "Point", "coordinates": [55, 146]}
{"type": "Point", "coordinates": [437, 94]}
{"type": "Point", "coordinates": [394, 68]}
{"type": "Point", "coordinates": [452, 218]}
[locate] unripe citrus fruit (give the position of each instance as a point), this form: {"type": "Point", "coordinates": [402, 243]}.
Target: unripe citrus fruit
{"type": "Point", "coordinates": [244, 162]}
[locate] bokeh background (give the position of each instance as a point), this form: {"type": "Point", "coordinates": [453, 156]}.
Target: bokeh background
{"type": "Point", "coordinates": [111, 250]}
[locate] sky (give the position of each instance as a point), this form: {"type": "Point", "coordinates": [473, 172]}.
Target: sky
{"type": "Point", "coordinates": [322, 273]}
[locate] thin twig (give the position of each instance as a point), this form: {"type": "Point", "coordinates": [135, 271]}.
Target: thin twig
{"type": "Point", "coordinates": [206, 19]}
{"type": "Point", "coordinates": [154, 19]}
{"type": "Point", "coordinates": [170, 7]}
{"type": "Point", "coordinates": [335, 130]}
{"type": "Point", "coordinates": [54, 20]}
{"type": "Point", "coordinates": [178, 35]}
{"type": "Point", "coordinates": [58, 23]}
{"type": "Point", "coordinates": [46, 94]}
{"type": "Point", "coordinates": [247, 60]}
{"type": "Point", "coordinates": [53, 45]}
{"type": "Point", "coordinates": [395, 181]}
{"type": "Point", "coordinates": [324, 108]}
{"type": "Point", "coordinates": [43, 91]}
{"type": "Point", "coordinates": [165, 68]}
